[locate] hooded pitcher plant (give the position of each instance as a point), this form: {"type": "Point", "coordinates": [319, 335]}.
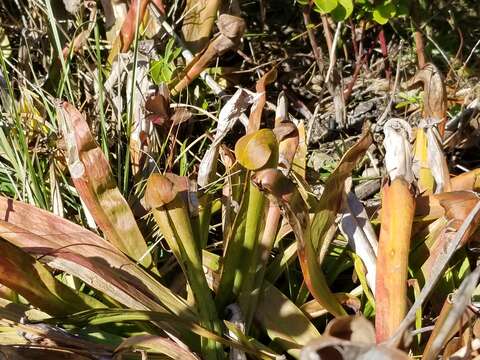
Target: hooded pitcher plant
{"type": "Point", "coordinates": [167, 195]}
{"type": "Point", "coordinates": [398, 208]}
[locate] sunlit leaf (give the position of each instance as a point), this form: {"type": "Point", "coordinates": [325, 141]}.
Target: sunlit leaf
{"type": "Point", "coordinates": [25, 275]}
{"type": "Point", "coordinates": [95, 183]}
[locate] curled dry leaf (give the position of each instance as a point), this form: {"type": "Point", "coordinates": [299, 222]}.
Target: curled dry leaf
{"type": "Point", "coordinates": [160, 113]}
{"type": "Point", "coordinates": [436, 159]}
{"type": "Point", "coordinates": [288, 138]}
{"type": "Point", "coordinates": [93, 179]}
{"type": "Point", "coordinates": [349, 338]}
{"type": "Point", "coordinates": [358, 230]}
{"type": "Point", "coordinates": [434, 95]}
{"type": "Point", "coordinates": [257, 108]}
{"type": "Point", "coordinates": [257, 150]}
{"type": "Point", "coordinates": [457, 206]}
{"type": "Point", "coordinates": [437, 205]}
{"type": "Point", "coordinates": [398, 157]}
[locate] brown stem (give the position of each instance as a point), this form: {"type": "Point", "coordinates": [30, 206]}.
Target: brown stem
{"type": "Point", "coordinates": [356, 72]}
{"type": "Point", "coordinates": [354, 41]}
{"type": "Point", "coordinates": [317, 51]}
{"type": "Point", "coordinates": [328, 33]}
{"type": "Point", "coordinates": [418, 36]}
{"type": "Point", "coordinates": [420, 47]}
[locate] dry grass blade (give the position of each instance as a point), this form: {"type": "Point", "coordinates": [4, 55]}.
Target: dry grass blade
{"type": "Point", "coordinates": [460, 300]}
{"type": "Point", "coordinates": [95, 184]}
{"type": "Point", "coordinates": [155, 344]}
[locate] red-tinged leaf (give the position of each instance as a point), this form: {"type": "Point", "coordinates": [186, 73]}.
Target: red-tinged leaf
{"type": "Point", "coordinates": [282, 189]}
{"type": "Point", "coordinates": [95, 184]}
{"type": "Point", "coordinates": [68, 247]}
{"type": "Point", "coordinates": [257, 109]}
{"type": "Point", "coordinates": [435, 206]}
{"type": "Point", "coordinates": [231, 29]}
{"type": "Point", "coordinates": [456, 210]}
{"type": "Point", "coordinates": [136, 11]}
{"type": "Point", "coordinates": [28, 277]}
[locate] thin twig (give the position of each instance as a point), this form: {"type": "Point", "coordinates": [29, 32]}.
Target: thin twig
{"type": "Point", "coordinates": [385, 113]}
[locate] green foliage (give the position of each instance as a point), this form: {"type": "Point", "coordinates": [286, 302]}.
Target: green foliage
{"type": "Point", "coordinates": [379, 11]}
{"type": "Point", "coordinates": [162, 70]}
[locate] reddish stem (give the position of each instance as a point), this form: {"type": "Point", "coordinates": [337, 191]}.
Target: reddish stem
{"type": "Point", "coordinates": [384, 47]}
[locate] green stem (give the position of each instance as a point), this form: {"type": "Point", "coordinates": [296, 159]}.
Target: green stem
{"type": "Point", "coordinates": [247, 300]}
{"type": "Point", "coordinates": [174, 222]}
{"type": "Point", "coordinates": [266, 244]}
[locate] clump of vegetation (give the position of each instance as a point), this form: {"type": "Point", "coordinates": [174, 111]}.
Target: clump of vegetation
{"type": "Point", "coordinates": [212, 180]}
